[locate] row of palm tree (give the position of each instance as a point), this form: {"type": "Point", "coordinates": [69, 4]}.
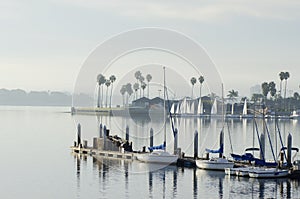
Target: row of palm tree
{"type": "Point", "coordinates": [102, 81]}
{"type": "Point", "coordinates": [193, 82]}
{"type": "Point", "coordinates": [126, 92]}
{"type": "Point", "coordinates": [141, 84]}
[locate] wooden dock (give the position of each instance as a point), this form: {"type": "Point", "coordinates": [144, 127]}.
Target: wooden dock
{"type": "Point", "coordinates": [106, 154]}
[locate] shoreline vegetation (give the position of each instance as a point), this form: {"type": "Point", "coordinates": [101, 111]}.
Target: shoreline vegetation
{"type": "Point", "coordinates": [267, 100]}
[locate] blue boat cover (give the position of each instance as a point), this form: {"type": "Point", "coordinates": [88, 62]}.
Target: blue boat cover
{"type": "Point", "coordinates": [220, 150]}
{"type": "Point", "coordinates": [159, 147]}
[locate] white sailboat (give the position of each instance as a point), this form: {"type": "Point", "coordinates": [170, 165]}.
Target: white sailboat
{"type": "Point", "coordinates": [200, 107]}
{"type": "Point", "coordinates": [178, 112]}
{"type": "Point", "coordinates": [172, 110]}
{"type": "Point", "coordinates": [245, 111]}
{"type": "Point", "coordinates": [214, 109]}
{"type": "Point", "coordinates": [159, 154]}
{"type": "Point", "coordinates": [294, 115]}
{"type": "Point", "coordinates": [192, 108]}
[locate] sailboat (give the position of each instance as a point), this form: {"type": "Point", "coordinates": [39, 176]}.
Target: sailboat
{"type": "Point", "coordinates": [159, 154]}
{"type": "Point", "coordinates": [200, 107]}
{"type": "Point", "coordinates": [172, 110]}
{"type": "Point", "coordinates": [178, 111]}
{"type": "Point", "coordinates": [218, 163]}
{"type": "Point", "coordinates": [192, 108]}
{"type": "Point", "coordinates": [245, 111]}
{"type": "Point", "coordinates": [214, 109]}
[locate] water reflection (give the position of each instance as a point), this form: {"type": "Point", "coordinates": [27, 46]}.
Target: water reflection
{"type": "Point", "coordinates": [173, 182]}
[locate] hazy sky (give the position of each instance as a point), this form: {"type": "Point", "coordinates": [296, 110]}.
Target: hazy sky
{"type": "Point", "coordinates": [44, 43]}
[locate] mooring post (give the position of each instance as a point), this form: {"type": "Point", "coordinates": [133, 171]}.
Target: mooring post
{"type": "Point", "coordinates": [104, 137]}
{"type": "Point", "coordinates": [151, 137]}
{"type": "Point", "coordinates": [78, 135]}
{"type": "Point", "coordinates": [196, 144]}
{"type": "Point", "coordinates": [289, 150]}
{"type": "Point", "coordinates": [221, 144]}
{"type": "Point", "coordinates": [175, 141]}
{"type": "Point", "coordinates": [262, 142]}
{"type": "Point", "coordinates": [127, 133]}
{"type": "Point", "coordinates": [100, 131]}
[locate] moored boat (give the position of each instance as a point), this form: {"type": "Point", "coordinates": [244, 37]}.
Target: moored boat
{"type": "Point", "coordinates": [158, 156]}
{"type": "Point", "coordinates": [268, 173]}
{"type": "Point", "coordinates": [214, 164]}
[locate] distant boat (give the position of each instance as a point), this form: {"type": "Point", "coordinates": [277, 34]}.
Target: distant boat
{"type": "Point", "coordinates": [245, 111]}
{"type": "Point", "coordinates": [192, 108]}
{"type": "Point", "coordinates": [200, 107]}
{"type": "Point", "coordinates": [172, 110]}
{"type": "Point", "coordinates": [214, 109]}
{"type": "Point", "coordinates": [178, 111]}
{"type": "Point", "coordinates": [294, 115]}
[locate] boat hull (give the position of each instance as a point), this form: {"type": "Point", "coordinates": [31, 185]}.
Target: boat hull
{"type": "Point", "coordinates": [218, 164]}
{"type": "Point", "coordinates": [268, 173]}
{"type": "Point", "coordinates": [162, 158]}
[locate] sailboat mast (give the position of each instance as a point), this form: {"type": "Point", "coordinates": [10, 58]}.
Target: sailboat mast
{"type": "Point", "coordinates": [165, 144]}
{"type": "Point", "coordinates": [223, 104]}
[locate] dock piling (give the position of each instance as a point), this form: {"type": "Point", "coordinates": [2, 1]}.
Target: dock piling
{"type": "Point", "coordinates": [151, 137]}
{"type": "Point", "coordinates": [221, 143]}
{"type": "Point", "coordinates": [196, 144]}
{"type": "Point", "coordinates": [175, 141]}
{"type": "Point", "coordinates": [104, 137]}
{"type": "Point", "coordinates": [100, 131]}
{"type": "Point", "coordinates": [78, 135]}
{"type": "Point", "coordinates": [262, 142]}
{"type": "Point", "coordinates": [289, 150]}
{"type": "Point", "coordinates": [127, 133]}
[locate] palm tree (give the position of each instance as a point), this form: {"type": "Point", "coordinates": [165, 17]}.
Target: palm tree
{"type": "Point", "coordinates": [137, 75]}
{"type": "Point", "coordinates": [193, 82]}
{"type": "Point", "coordinates": [201, 80]}
{"type": "Point", "coordinates": [129, 91]}
{"type": "Point", "coordinates": [101, 80]}
{"type": "Point", "coordinates": [232, 95]}
{"type": "Point", "coordinates": [112, 79]}
{"type": "Point", "coordinates": [148, 78]}
{"type": "Point", "coordinates": [265, 89]}
{"type": "Point", "coordinates": [286, 76]}
{"type": "Point", "coordinates": [107, 84]}
{"type": "Point", "coordinates": [136, 87]}
{"type": "Point", "coordinates": [123, 91]}
{"type": "Point", "coordinates": [281, 76]}
{"type": "Point", "coordinates": [272, 88]}
{"type": "Point", "coordinates": [141, 79]}
{"type": "Point", "coordinates": [143, 86]}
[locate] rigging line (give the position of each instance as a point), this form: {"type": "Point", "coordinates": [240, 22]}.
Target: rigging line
{"type": "Point", "coordinates": [229, 136]}
{"type": "Point", "coordinates": [280, 137]}
{"type": "Point", "coordinates": [270, 140]}
{"type": "Point", "coordinates": [260, 146]}
{"type": "Point", "coordinates": [171, 117]}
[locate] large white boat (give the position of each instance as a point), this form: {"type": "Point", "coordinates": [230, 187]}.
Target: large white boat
{"type": "Point", "coordinates": [214, 164]}
{"type": "Point", "coordinates": [268, 173]}
{"type": "Point", "coordinates": [158, 156]}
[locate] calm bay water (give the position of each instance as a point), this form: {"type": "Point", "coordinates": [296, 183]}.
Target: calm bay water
{"type": "Point", "coordinates": [37, 162]}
